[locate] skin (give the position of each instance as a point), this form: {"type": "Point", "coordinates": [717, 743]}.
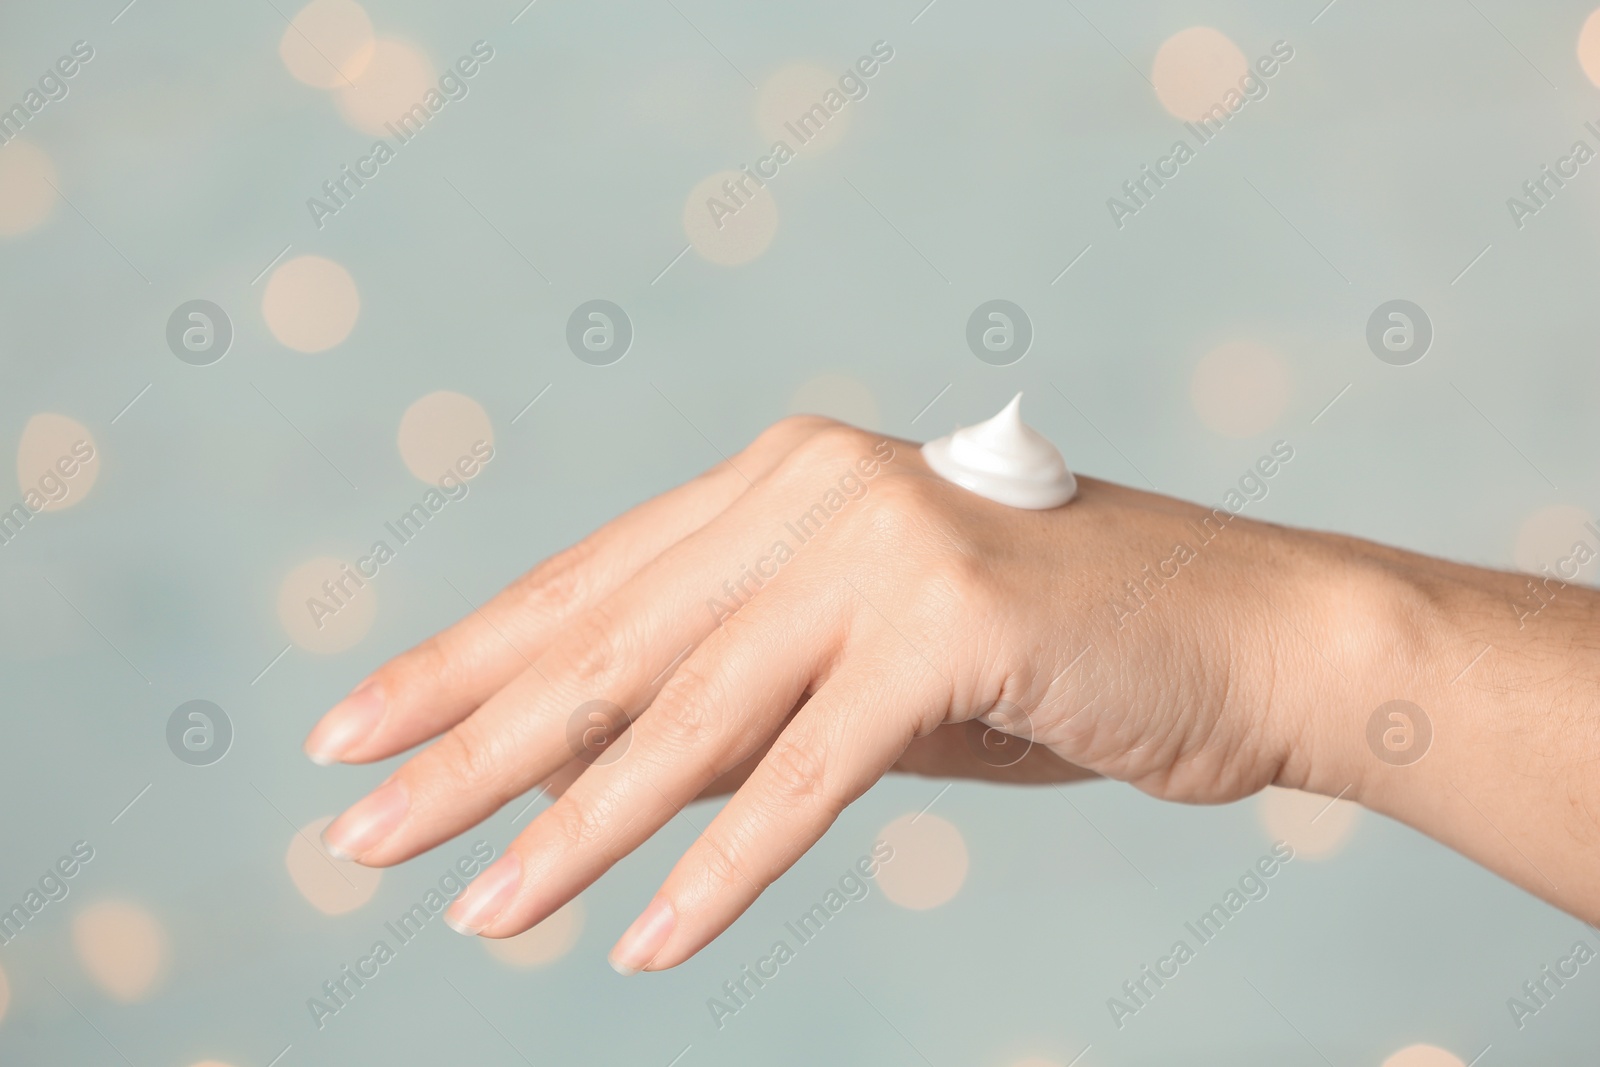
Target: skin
{"type": "Point", "coordinates": [914, 624]}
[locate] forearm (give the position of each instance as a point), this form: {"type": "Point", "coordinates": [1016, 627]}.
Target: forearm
{"type": "Point", "coordinates": [1507, 680]}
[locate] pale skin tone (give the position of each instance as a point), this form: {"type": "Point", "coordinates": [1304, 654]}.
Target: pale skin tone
{"type": "Point", "coordinates": [914, 612]}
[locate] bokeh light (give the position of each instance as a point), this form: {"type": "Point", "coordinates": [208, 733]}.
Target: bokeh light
{"type": "Point", "coordinates": [310, 303]}
{"type": "Point", "coordinates": [929, 864]}
{"type": "Point", "coordinates": [1589, 46]}
{"type": "Point", "coordinates": [326, 605]}
{"type": "Point", "coordinates": [1315, 826]}
{"type": "Point", "coordinates": [1548, 538]}
{"type": "Point", "coordinates": [57, 462]}
{"type": "Point", "coordinates": [331, 886]}
{"type": "Point", "coordinates": [1194, 69]}
{"type": "Point", "coordinates": [838, 396]}
{"type": "Point", "coordinates": [726, 224]}
{"type": "Point", "coordinates": [190, 144]}
{"type": "Point", "coordinates": [26, 196]}
{"type": "Point", "coordinates": [441, 431]}
{"type": "Point", "coordinates": [1423, 1056]}
{"type": "Point", "coordinates": [542, 945]}
{"type": "Point", "coordinates": [395, 80]}
{"type": "Point", "coordinates": [122, 947]}
{"type": "Point", "coordinates": [328, 44]}
{"type": "Point", "coordinates": [789, 95]}
{"type": "Point", "coordinates": [1240, 388]}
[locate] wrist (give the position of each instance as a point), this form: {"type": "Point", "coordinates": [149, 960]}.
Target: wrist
{"type": "Point", "coordinates": [1357, 650]}
{"type": "Point", "coordinates": [1492, 750]}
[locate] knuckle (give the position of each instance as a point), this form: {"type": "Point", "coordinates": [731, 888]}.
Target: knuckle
{"type": "Point", "coordinates": [721, 870]}
{"type": "Point", "coordinates": [686, 728]}
{"type": "Point", "coordinates": [465, 756]}
{"type": "Point", "coordinates": [687, 715]}
{"type": "Point", "coordinates": [956, 597]}
{"type": "Point", "coordinates": [576, 825]}
{"type": "Point", "coordinates": [836, 445]}
{"type": "Point", "coordinates": [966, 579]}
{"type": "Point", "coordinates": [591, 647]}
{"type": "Point", "coordinates": [790, 431]}
{"type": "Point", "coordinates": [551, 588]}
{"type": "Point", "coordinates": [901, 511]}
{"type": "Point", "coordinates": [907, 495]}
{"type": "Point", "coordinates": [834, 455]}
{"type": "Point", "coordinates": [796, 776]}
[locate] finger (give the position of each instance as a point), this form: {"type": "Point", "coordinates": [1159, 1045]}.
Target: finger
{"type": "Point", "coordinates": [720, 786]}
{"type": "Point", "coordinates": [845, 738]}
{"type": "Point", "coordinates": [965, 750]}
{"type": "Point", "coordinates": [436, 684]}
{"type": "Point", "coordinates": [615, 657]}
{"type": "Point", "coordinates": [721, 706]}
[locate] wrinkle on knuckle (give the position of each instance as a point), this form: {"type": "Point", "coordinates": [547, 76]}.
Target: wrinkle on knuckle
{"type": "Point", "coordinates": [465, 756]}
{"type": "Point", "coordinates": [591, 648]}
{"type": "Point", "coordinates": [550, 589]}
{"type": "Point", "coordinates": [689, 711]}
{"type": "Point", "coordinates": [685, 728]}
{"type": "Point", "coordinates": [722, 870]}
{"type": "Point", "coordinates": [577, 825]}
{"type": "Point", "coordinates": [796, 778]}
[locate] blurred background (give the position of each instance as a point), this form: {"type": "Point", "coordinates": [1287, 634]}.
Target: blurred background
{"type": "Point", "coordinates": [237, 338]}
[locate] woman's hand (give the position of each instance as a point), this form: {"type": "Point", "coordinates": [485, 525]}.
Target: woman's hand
{"type": "Point", "coordinates": [804, 618]}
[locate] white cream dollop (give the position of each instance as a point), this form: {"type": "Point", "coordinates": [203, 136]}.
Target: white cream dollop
{"type": "Point", "coordinates": [1004, 460]}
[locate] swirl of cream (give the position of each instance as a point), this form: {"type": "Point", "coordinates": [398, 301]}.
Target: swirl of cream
{"type": "Point", "coordinates": [1004, 460]}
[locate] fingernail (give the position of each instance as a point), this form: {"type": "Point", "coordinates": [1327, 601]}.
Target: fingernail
{"type": "Point", "coordinates": [350, 722]}
{"type": "Point", "coordinates": [486, 897]}
{"type": "Point", "coordinates": [368, 822]}
{"type": "Point", "coordinates": [639, 945]}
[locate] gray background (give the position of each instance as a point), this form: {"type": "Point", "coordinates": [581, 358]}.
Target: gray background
{"type": "Point", "coordinates": [1377, 168]}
